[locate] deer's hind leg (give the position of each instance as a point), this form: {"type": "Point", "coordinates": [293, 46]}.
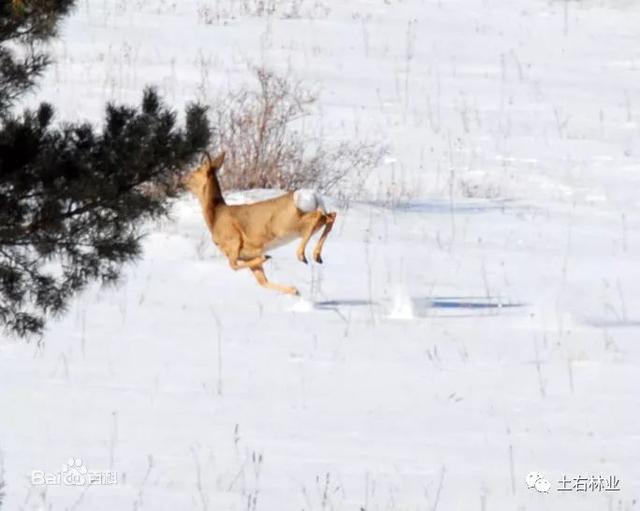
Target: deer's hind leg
{"type": "Point", "coordinates": [311, 222]}
{"type": "Point", "coordinates": [258, 273]}
{"type": "Point", "coordinates": [329, 219]}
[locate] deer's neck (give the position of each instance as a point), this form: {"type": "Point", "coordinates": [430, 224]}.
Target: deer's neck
{"type": "Point", "coordinates": [211, 199]}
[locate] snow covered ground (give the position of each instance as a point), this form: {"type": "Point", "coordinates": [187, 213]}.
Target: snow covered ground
{"type": "Point", "coordinates": [476, 316]}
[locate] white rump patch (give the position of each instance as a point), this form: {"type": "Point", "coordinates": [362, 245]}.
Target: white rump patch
{"type": "Point", "coordinates": [308, 200]}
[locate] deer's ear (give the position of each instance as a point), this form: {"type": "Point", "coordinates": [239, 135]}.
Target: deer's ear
{"type": "Point", "coordinates": [206, 158]}
{"type": "Point", "coordinates": [218, 161]}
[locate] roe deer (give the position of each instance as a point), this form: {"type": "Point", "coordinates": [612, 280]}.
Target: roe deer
{"type": "Point", "coordinates": [243, 232]}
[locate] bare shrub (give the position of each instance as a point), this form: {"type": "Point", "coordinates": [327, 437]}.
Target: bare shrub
{"type": "Point", "coordinates": [225, 10]}
{"type": "Point", "coordinates": [2, 483]}
{"type": "Point", "coordinates": [260, 7]}
{"type": "Point", "coordinates": [474, 190]}
{"type": "Point", "coordinates": [285, 9]}
{"type": "Point", "coordinates": [261, 131]}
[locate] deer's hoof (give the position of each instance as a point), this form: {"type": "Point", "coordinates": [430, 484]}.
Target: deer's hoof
{"type": "Point", "coordinates": [293, 291]}
{"type": "Point", "coordinates": [266, 257]}
{"type": "Point", "coordinates": [303, 258]}
{"type": "Point", "coordinates": [318, 258]}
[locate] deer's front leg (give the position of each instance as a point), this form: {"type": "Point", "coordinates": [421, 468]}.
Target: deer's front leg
{"type": "Point", "coordinates": [231, 248]}
{"type": "Point", "coordinates": [251, 263]}
{"type": "Point", "coordinates": [258, 273]}
{"type": "Point", "coordinates": [311, 222]}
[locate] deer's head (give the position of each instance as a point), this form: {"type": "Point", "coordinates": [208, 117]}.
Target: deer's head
{"type": "Point", "coordinates": [196, 180]}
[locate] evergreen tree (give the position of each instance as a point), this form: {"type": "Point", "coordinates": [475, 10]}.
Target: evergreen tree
{"type": "Point", "coordinates": [72, 198]}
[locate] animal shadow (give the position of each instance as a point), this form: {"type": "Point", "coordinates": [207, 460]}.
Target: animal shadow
{"type": "Point", "coordinates": [461, 305]}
